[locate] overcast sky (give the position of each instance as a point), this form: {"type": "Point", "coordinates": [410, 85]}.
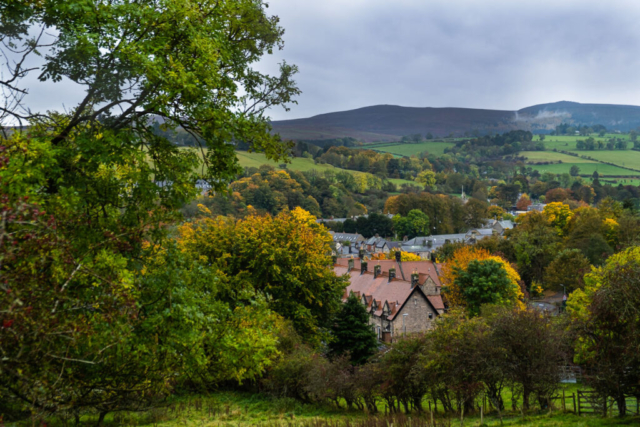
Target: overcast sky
{"type": "Point", "coordinates": [459, 53]}
{"type": "Point", "coordinates": [445, 53]}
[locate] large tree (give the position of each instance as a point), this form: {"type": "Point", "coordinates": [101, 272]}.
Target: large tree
{"type": "Point", "coordinates": [286, 258]}
{"type": "Point", "coordinates": [110, 180]}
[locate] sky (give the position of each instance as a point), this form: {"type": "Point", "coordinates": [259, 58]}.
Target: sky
{"type": "Point", "coordinates": [490, 54]}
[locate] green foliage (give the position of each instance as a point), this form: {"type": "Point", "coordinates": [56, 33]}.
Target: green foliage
{"type": "Point", "coordinates": [566, 269]}
{"type": "Point", "coordinates": [483, 282]}
{"type": "Point", "coordinates": [285, 258]}
{"type": "Point", "coordinates": [352, 334]}
{"type": "Point", "coordinates": [416, 223]}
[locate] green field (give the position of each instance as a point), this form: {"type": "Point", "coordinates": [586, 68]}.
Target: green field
{"type": "Point", "coordinates": [550, 156]}
{"type": "Point", "coordinates": [234, 409]}
{"type": "Point", "coordinates": [407, 149]}
{"type": "Point", "coordinates": [586, 168]}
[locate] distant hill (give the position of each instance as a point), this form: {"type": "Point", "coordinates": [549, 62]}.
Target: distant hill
{"type": "Point", "coordinates": [391, 122]}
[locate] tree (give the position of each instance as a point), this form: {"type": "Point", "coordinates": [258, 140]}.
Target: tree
{"type": "Point", "coordinates": [416, 223]}
{"type": "Point", "coordinates": [427, 178]}
{"type": "Point", "coordinates": [475, 213]}
{"type": "Point", "coordinates": [484, 282]}
{"type": "Point", "coordinates": [495, 212]}
{"type": "Point", "coordinates": [497, 282]}
{"type": "Point", "coordinates": [566, 269]}
{"type": "Point", "coordinates": [558, 214]}
{"type": "Point", "coordinates": [352, 333]}
{"type": "Point", "coordinates": [285, 257]}
{"type": "Point", "coordinates": [535, 245]}
{"type": "Point", "coordinates": [533, 346]}
{"type": "Point", "coordinates": [574, 170]}
{"type": "Point", "coordinates": [606, 315]}
{"type": "Point", "coordinates": [523, 202]}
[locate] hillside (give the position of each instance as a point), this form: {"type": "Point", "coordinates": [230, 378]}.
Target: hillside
{"type": "Point", "coordinates": [391, 122]}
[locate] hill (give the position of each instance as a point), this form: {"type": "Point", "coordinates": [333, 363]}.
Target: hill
{"type": "Point", "coordinates": [391, 122]}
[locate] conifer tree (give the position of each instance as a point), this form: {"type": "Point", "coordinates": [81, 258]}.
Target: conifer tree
{"type": "Point", "coordinates": [352, 332]}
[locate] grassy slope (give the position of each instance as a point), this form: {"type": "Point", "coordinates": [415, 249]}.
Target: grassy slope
{"type": "Point", "coordinates": [298, 163]}
{"type": "Point", "coordinates": [436, 147]}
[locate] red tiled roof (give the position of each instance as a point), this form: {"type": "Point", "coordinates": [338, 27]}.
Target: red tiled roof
{"type": "Point", "coordinates": [425, 268]}
{"type": "Point", "coordinates": [436, 301]}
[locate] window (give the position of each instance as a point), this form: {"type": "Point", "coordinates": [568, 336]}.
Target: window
{"type": "Point", "coordinates": [430, 315]}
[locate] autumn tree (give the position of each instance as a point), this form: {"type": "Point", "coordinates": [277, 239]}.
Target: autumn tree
{"type": "Point", "coordinates": [351, 333]}
{"type": "Point", "coordinates": [283, 257]}
{"type": "Point", "coordinates": [491, 280]}
{"type": "Point", "coordinates": [427, 178]}
{"type": "Point", "coordinates": [475, 213]}
{"type": "Point", "coordinates": [558, 214]}
{"type": "Point", "coordinates": [606, 315]}
{"type": "Point", "coordinates": [567, 269]}
{"type": "Point", "coordinates": [523, 202]}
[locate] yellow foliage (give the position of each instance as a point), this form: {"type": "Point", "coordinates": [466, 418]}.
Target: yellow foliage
{"type": "Point", "coordinates": [558, 214]}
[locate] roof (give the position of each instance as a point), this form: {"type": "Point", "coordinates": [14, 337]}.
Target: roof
{"type": "Point", "coordinates": [506, 224]}
{"type": "Point", "coordinates": [482, 231]}
{"type": "Point", "coordinates": [346, 237]}
{"type": "Point", "coordinates": [403, 269]}
{"type": "Point", "coordinates": [394, 293]}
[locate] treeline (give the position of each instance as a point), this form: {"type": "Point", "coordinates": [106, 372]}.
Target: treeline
{"type": "Point", "coordinates": [453, 366]}
{"type": "Point", "coordinates": [568, 129]}
{"type": "Point", "coordinates": [325, 194]}
{"type": "Point", "coordinates": [611, 144]}
{"type": "Point", "coordinates": [382, 165]}
{"type": "Point", "coordinates": [553, 249]}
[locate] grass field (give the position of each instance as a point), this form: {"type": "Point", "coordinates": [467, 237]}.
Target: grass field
{"type": "Point", "coordinates": [435, 147]}
{"type": "Point", "coordinates": [550, 156]}
{"type": "Point", "coordinates": [586, 168]}
{"type": "Point", "coordinates": [233, 409]}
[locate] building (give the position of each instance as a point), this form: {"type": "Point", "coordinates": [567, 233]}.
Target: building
{"type": "Point", "coordinates": [346, 237]}
{"type": "Point", "coordinates": [501, 226]}
{"type": "Point", "coordinates": [401, 297]}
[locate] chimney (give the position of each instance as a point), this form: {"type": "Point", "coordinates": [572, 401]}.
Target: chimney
{"type": "Point", "coordinates": [405, 238]}
{"type": "Point", "coordinates": [335, 259]}
{"type": "Point", "coordinates": [414, 279]}
{"type": "Point", "coordinates": [376, 270]}
{"type": "Point", "coordinates": [392, 273]}
{"type": "Point", "coordinates": [361, 253]}
{"type": "Point", "coordinates": [350, 264]}
{"type": "Point", "coordinates": [363, 267]}
{"type": "Point", "coordinates": [398, 256]}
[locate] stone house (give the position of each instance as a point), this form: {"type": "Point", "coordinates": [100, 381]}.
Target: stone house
{"type": "Point", "coordinates": [401, 297]}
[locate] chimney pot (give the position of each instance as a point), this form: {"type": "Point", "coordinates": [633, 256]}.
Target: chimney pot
{"type": "Point", "coordinates": [392, 273]}
{"type": "Point", "coordinates": [363, 267]}
{"type": "Point", "coordinates": [350, 264]}
{"type": "Point", "coordinates": [376, 270]}
{"type": "Point", "coordinates": [414, 280]}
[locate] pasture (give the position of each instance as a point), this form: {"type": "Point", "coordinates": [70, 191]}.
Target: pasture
{"type": "Point", "coordinates": [407, 149]}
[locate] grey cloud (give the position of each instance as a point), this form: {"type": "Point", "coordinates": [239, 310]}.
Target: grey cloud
{"type": "Point", "coordinates": [490, 54]}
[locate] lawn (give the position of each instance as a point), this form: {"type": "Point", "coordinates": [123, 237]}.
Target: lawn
{"type": "Point", "coordinates": [233, 409]}
{"type": "Point", "coordinates": [407, 149]}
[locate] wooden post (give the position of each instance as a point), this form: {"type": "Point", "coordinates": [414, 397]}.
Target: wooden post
{"type": "Point", "coordinates": [564, 404]}
{"type": "Point", "coordinates": [574, 402]}
{"type": "Point", "coordinates": [432, 424]}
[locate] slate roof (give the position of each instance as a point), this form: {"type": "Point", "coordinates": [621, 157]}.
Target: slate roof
{"type": "Point", "coordinates": [346, 237]}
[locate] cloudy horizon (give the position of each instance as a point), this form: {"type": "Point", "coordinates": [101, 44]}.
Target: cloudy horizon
{"type": "Point", "coordinates": [492, 55]}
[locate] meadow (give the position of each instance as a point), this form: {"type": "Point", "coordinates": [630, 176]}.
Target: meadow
{"type": "Point", "coordinates": [234, 409]}
{"type": "Point", "coordinates": [407, 149]}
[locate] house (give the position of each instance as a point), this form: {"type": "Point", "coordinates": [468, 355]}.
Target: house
{"type": "Point", "coordinates": [346, 237]}
{"type": "Point", "coordinates": [376, 244]}
{"type": "Point", "coordinates": [501, 226]}
{"type": "Point", "coordinates": [536, 207]}
{"type": "Point", "coordinates": [401, 297]}
{"type": "Point", "coordinates": [476, 234]}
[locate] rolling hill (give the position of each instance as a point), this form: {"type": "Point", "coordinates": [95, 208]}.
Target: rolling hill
{"type": "Point", "coordinates": [391, 122]}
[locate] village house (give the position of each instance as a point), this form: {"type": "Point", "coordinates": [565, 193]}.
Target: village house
{"type": "Point", "coordinates": [401, 297]}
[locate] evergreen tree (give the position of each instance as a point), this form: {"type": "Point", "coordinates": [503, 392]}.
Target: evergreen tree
{"type": "Point", "coordinates": [352, 333]}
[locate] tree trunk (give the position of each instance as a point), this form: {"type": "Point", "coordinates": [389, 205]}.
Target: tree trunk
{"type": "Point", "coordinates": [101, 418]}
{"type": "Point", "coordinates": [622, 405]}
